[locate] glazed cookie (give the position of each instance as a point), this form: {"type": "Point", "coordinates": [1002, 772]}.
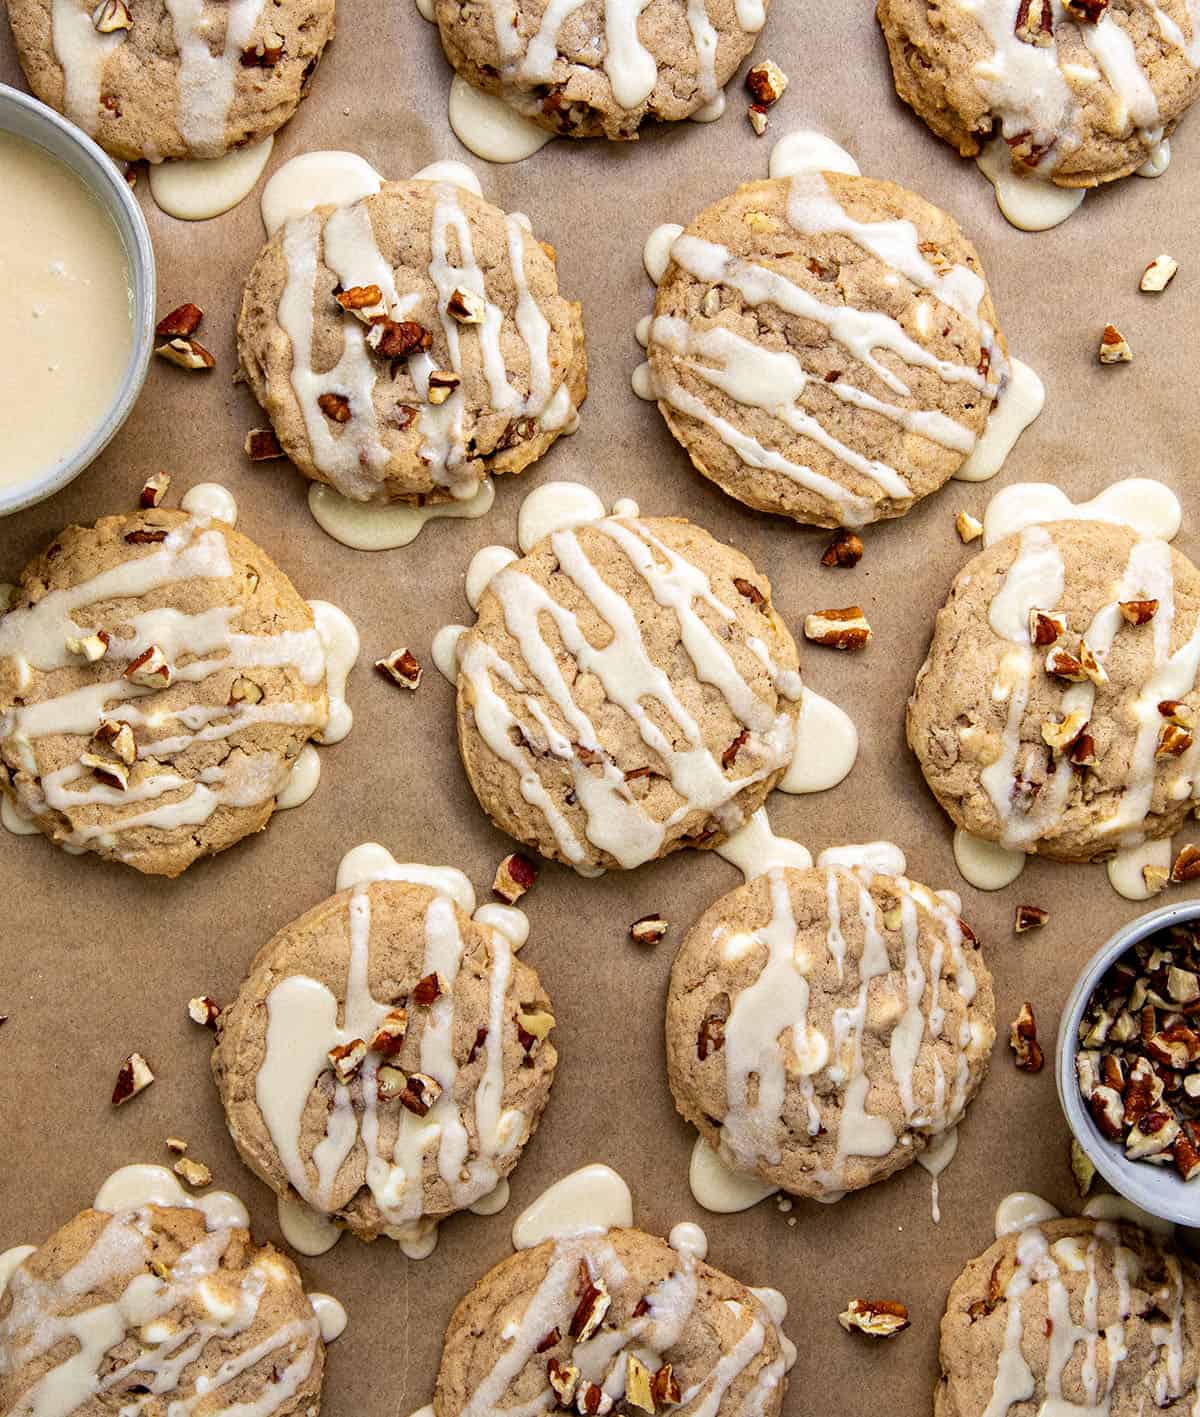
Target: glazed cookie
{"type": "Point", "coordinates": [162, 79]}
{"type": "Point", "coordinates": [409, 345]}
{"type": "Point", "coordinates": [1081, 95]}
{"type": "Point", "coordinates": [149, 1310]}
{"type": "Point", "coordinates": [824, 1026]}
{"type": "Point", "coordinates": [602, 68]}
{"type": "Point", "coordinates": [1072, 1316]}
{"type": "Point", "coordinates": [628, 690]}
{"type": "Point", "coordinates": [159, 675]}
{"type": "Point", "coordinates": [1053, 713]}
{"type": "Point", "coordinates": [825, 347]}
{"type": "Point", "coordinates": [418, 1102]}
{"type": "Point", "coordinates": [547, 1327]}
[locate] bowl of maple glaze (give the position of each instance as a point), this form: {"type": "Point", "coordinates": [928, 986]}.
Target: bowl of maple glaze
{"type": "Point", "coordinates": [1159, 1189]}
{"type": "Point", "coordinates": [77, 321]}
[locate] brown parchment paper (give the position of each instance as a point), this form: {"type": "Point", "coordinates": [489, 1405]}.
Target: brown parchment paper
{"type": "Point", "coordinates": [96, 960]}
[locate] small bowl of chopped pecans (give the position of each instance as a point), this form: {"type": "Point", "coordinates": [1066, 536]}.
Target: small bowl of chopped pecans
{"type": "Point", "coordinates": [1128, 1066]}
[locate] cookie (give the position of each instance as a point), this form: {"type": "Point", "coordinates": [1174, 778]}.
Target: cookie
{"type": "Point", "coordinates": [617, 1310]}
{"type": "Point", "coordinates": [148, 1311]}
{"type": "Point", "coordinates": [445, 1067]}
{"type": "Point", "coordinates": [1079, 101]}
{"type": "Point", "coordinates": [450, 355]}
{"type": "Point", "coordinates": [1066, 745]}
{"type": "Point", "coordinates": [824, 1026]}
{"type": "Point", "coordinates": [1072, 1316]}
{"type": "Point", "coordinates": [627, 690]}
{"type": "Point", "coordinates": [825, 347]}
{"type": "Point", "coordinates": [162, 79]}
{"type": "Point", "coordinates": [159, 675]}
{"type": "Point", "coordinates": [600, 69]}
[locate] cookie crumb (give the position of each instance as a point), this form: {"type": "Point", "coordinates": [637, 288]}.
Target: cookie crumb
{"type": "Point", "coordinates": [195, 1173]}
{"type": "Point", "coordinates": [969, 528]}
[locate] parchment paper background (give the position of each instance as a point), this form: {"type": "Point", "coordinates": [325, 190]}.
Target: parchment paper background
{"type": "Point", "coordinates": [96, 960]}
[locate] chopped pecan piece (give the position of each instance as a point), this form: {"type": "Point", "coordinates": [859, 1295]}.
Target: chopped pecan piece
{"type": "Point", "coordinates": [442, 383]}
{"type": "Point", "coordinates": [420, 1094]}
{"type": "Point", "coordinates": [1139, 612]}
{"type": "Point", "coordinates": [845, 629]}
{"type": "Point", "coordinates": [109, 16]}
{"type": "Point", "coordinates": [388, 1038]}
{"type": "Point", "coordinates": [134, 1076]}
{"type": "Point", "coordinates": [186, 354]}
{"type": "Point", "coordinates": [729, 756]}
{"type": "Point", "coordinates": [1029, 917]}
{"type": "Point", "coordinates": [261, 445]}
{"type": "Point", "coordinates": [397, 339]}
{"type": "Point", "coordinates": [150, 669]}
{"type": "Point", "coordinates": [1035, 22]}
{"type": "Point", "coordinates": [1114, 347]}
{"type": "Point", "coordinates": [427, 990]}
{"type": "Point", "coordinates": [1046, 627]}
{"type": "Point", "coordinates": [766, 82]}
{"type": "Point", "coordinates": [466, 306]}
{"type": "Point", "coordinates": [877, 1318]}
{"type": "Point", "coordinates": [112, 774]}
{"type": "Point", "coordinates": [1186, 867]}
{"type": "Point", "coordinates": [335, 407]}
{"type": "Point", "coordinates": [183, 321]}
{"type": "Point", "coordinates": [1158, 274]}
{"type": "Point", "coordinates": [590, 1311]}
{"type": "Point", "coordinates": [1090, 12]}
{"type": "Point", "coordinates": [1173, 741]}
{"type": "Point", "coordinates": [666, 1388]}
{"type": "Point", "coordinates": [845, 550]}
{"type": "Point", "coordinates": [514, 876]}
{"type": "Point", "coordinates": [1023, 1040]}
{"type": "Point", "coordinates": [204, 1010]}
{"type": "Point", "coordinates": [401, 667]}
{"type": "Point", "coordinates": [154, 489]}
{"type": "Point", "coordinates": [750, 591]}
{"type": "Point", "coordinates": [649, 930]}
{"type": "Point", "coordinates": [347, 1058]}
{"type": "Point", "coordinates": [711, 1037]}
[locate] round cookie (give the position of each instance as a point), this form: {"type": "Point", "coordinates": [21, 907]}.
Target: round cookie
{"type": "Point", "coordinates": [162, 79]}
{"type": "Point", "coordinates": [602, 68]}
{"type": "Point", "coordinates": [1079, 102]}
{"type": "Point", "coordinates": [159, 675]}
{"type": "Point", "coordinates": [455, 356]}
{"type": "Point", "coordinates": [534, 1314]}
{"type": "Point", "coordinates": [148, 1310]}
{"type": "Point", "coordinates": [1072, 1315]}
{"type": "Point", "coordinates": [1037, 745]}
{"type": "Point", "coordinates": [825, 347]}
{"type": "Point", "coordinates": [860, 1006]}
{"type": "Point", "coordinates": [448, 1031]}
{"type": "Point", "coordinates": [627, 690]}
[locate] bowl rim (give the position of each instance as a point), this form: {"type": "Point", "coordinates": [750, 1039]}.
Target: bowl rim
{"type": "Point", "coordinates": [107, 183]}
{"type": "Point", "coordinates": [1131, 1179]}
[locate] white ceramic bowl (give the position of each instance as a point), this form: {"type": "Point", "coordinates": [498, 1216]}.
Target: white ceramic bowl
{"type": "Point", "coordinates": [26, 118]}
{"type": "Point", "coordinates": [1158, 1189]}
